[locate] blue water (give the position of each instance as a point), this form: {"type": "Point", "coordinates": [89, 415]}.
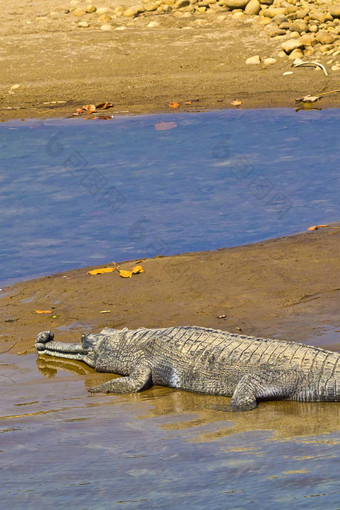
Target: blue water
{"type": "Point", "coordinates": [77, 193]}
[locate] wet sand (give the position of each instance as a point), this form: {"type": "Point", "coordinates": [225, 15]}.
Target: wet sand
{"type": "Point", "coordinates": [281, 288]}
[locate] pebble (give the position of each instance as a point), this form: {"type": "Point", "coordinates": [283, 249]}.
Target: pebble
{"type": "Point", "coordinates": [334, 11]}
{"type": "Point", "coordinates": [78, 12]}
{"type": "Point", "coordinates": [253, 60]}
{"type": "Point", "coordinates": [271, 12]}
{"type": "Point", "coordinates": [83, 24]}
{"type": "Point", "coordinates": [253, 7]}
{"type": "Point", "coordinates": [291, 45]}
{"type": "Point", "coordinates": [336, 67]}
{"type": "Point", "coordinates": [269, 61]}
{"type": "Point", "coordinates": [133, 11]}
{"type": "Point", "coordinates": [91, 8]}
{"type": "Point", "coordinates": [236, 4]}
{"type": "Point", "coordinates": [106, 28]}
{"type": "Point", "coordinates": [153, 24]}
{"type": "Point", "coordinates": [287, 73]}
{"type": "Point", "coordinates": [150, 7]}
{"type": "Point", "coordinates": [295, 54]}
{"type": "Point", "coordinates": [104, 18]}
{"type": "Point", "coordinates": [325, 38]}
{"type": "Point", "coordinates": [103, 10]}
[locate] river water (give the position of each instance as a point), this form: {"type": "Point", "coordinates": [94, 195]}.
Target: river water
{"type": "Point", "coordinates": [76, 193]}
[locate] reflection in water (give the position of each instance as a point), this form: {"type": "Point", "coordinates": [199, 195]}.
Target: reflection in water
{"type": "Point", "coordinates": [286, 419]}
{"type": "Point", "coordinates": [160, 449]}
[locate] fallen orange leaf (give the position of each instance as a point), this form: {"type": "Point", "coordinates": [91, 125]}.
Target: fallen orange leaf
{"type": "Point", "coordinates": [174, 105]}
{"type": "Point", "coordinates": [236, 102]}
{"type": "Point", "coordinates": [187, 102]}
{"type": "Point", "coordinates": [43, 311]}
{"type": "Point", "coordinates": [125, 274]}
{"type": "Point", "coordinates": [104, 106]}
{"type": "Point", "coordinates": [89, 108]}
{"type": "Point", "coordinates": [137, 270]}
{"type": "Point", "coordinates": [101, 270]}
{"type": "Point", "coordinates": [315, 227]}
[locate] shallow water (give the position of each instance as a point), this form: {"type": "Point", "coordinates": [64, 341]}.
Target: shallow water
{"type": "Point", "coordinates": [62, 448]}
{"type": "Point", "coordinates": [76, 193]}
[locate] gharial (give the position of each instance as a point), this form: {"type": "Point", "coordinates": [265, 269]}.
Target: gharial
{"type": "Point", "coordinates": [205, 360]}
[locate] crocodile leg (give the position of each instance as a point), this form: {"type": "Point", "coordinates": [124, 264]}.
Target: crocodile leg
{"type": "Point", "coordinates": [264, 384]}
{"type": "Point", "coordinates": [139, 379]}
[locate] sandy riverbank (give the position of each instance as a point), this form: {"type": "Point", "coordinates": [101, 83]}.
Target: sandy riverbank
{"type": "Point", "coordinates": [51, 65]}
{"type": "Point", "coordinates": [284, 288]}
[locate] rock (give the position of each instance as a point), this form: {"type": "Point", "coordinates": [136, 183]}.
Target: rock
{"type": "Point", "coordinates": [267, 2]}
{"type": "Point", "coordinates": [103, 10]}
{"type": "Point", "coordinates": [308, 40]}
{"type": "Point", "coordinates": [273, 30]}
{"type": "Point", "coordinates": [252, 7]}
{"type": "Point", "coordinates": [236, 4]}
{"type": "Point", "coordinates": [78, 12]}
{"type": "Point", "coordinates": [133, 11]}
{"type": "Point", "coordinates": [91, 8]}
{"type": "Point", "coordinates": [287, 73]}
{"type": "Point", "coordinates": [150, 7]}
{"type": "Point", "coordinates": [83, 24]}
{"type": "Point", "coordinates": [271, 12]}
{"type": "Point", "coordinates": [320, 16]}
{"type": "Point", "coordinates": [313, 28]}
{"type": "Point", "coordinates": [291, 45]}
{"type": "Point", "coordinates": [334, 11]}
{"type": "Point", "coordinates": [253, 60]}
{"type": "Point", "coordinates": [284, 26]}
{"type": "Point", "coordinates": [308, 51]}
{"type": "Point", "coordinates": [182, 3]}
{"type": "Point", "coordinates": [269, 61]}
{"type": "Point", "coordinates": [298, 25]}
{"type": "Point", "coordinates": [301, 13]}
{"type": "Point", "coordinates": [279, 18]}
{"type": "Point", "coordinates": [106, 28]}
{"type": "Point", "coordinates": [104, 18]}
{"type": "Point", "coordinates": [336, 67]}
{"type": "Point", "coordinates": [153, 24]}
{"type": "Point", "coordinates": [295, 54]}
{"type": "Point", "coordinates": [325, 38]}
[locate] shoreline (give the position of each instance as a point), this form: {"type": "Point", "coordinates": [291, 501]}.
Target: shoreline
{"type": "Point", "coordinates": [185, 55]}
{"type": "Point", "coordinates": [279, 288]}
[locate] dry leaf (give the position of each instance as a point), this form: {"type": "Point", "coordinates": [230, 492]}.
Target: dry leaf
{"type": "Point", "coordinates": [236, 102]}
{"type": "Point", "coordinates": [137, 270]}
{"type": "Point", "coordinates": [315, 227]}
{"type": "Point", "coordinates": [307, 99]}
{"type": "Point", "coordinates": [89, 108]}
{"type": "Point", "coordinates": [187, 102]}
{"type": "Point", "coordinates": [174, 105]}
{"type": "Point", "coordinates": [125, 274]}
{"type": "Point", "coordinates": [101, 270]}
{"type": "Point", "coordinates": [43, 311]}
{"type": "Point", "coordinates": [104, 106]}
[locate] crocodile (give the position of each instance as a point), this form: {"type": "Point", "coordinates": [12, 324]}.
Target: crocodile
{"type": "Point", "coordinates": [202, 360]}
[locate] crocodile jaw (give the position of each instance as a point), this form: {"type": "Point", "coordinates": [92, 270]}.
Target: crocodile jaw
{"type": "Point", "coordinates": [45, 344]}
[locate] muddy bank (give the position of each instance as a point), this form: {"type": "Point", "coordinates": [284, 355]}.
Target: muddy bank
{"type": "Point", "coordinates": [283, 288]}
{"type": "Point", "coordinates": [197, 52]}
